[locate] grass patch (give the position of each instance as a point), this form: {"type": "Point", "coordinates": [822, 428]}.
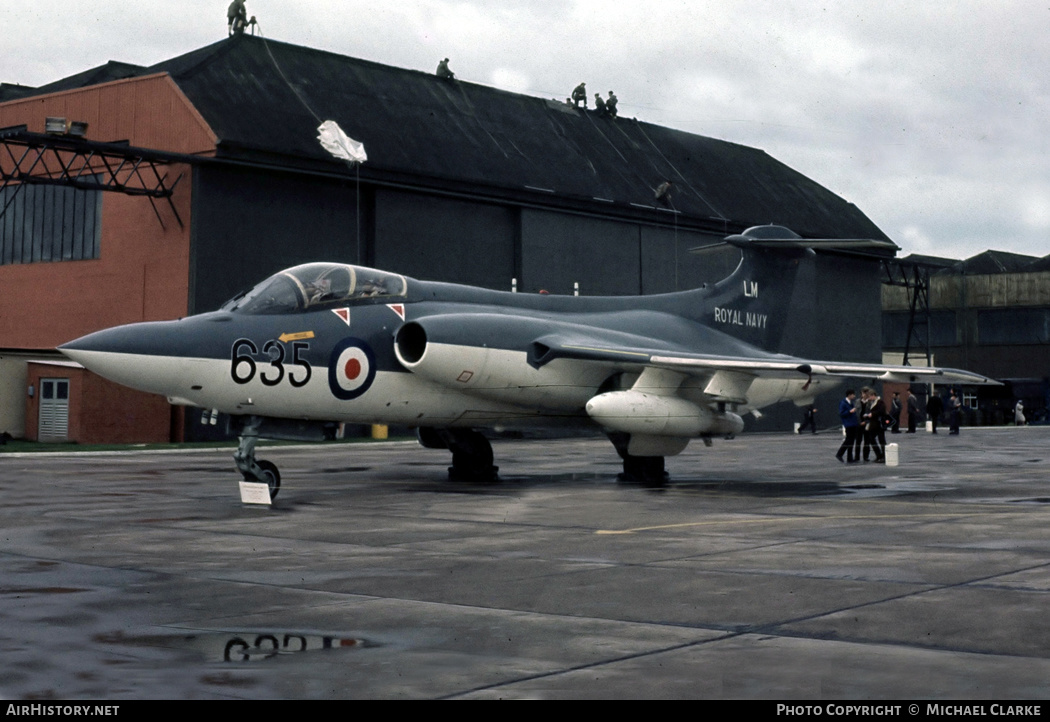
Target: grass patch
{"type": "Point", "coordinates": [70, 446]}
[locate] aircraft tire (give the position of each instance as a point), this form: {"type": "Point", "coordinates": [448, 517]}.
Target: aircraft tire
{"type": "Point", "coordinates": [645, 470]}
{"type": "Point", "coordinates": [271, 476]}
{"type": "Point", "coordinates": [472, 459]}
{"type": "Point", "coordinates": [488, 475]}
{"type": "Point", "coordinates": [430, 438]}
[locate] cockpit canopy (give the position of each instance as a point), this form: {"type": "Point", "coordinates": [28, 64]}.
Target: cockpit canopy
{"type": "Point", "coordinates": [314, 286]}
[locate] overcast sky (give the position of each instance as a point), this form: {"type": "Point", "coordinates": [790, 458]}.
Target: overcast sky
{"type": "Point", "coordinates": [930, 116]}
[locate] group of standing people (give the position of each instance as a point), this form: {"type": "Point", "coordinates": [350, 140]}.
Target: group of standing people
{"type": "Point", "coordinates": [865, 421]}
{"type": "Point", "coordinates": [935, 407]}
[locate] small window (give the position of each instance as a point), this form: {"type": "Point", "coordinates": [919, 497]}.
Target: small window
{"type": "Point", "coordinates": [1013, 326]}
{"type": "Point", "coordinates": [942, 329]}
{"type": "Point", "coordinates": [49, 223]}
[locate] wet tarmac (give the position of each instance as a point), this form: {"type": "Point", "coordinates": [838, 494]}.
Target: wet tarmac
{"type": "Point", "coordinates": [765, 570]}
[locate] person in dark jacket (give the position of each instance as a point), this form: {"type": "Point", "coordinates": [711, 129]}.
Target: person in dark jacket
{"type": "Point", "coordinates": [872, 421]}
{"type": "Point", "coordinates": [954, 412]}
{"type": "Point", "coordinates": [236, 17]}
{"type": "Point", "coordinates": [895, 413]}
{"type": "Point", "coordinates": [579, 93]}
{"type": "Point", "coordinates": [934, 407]}
{"type": "Point", "coordinates": [809, 419]}
{"type": "Point", "coordinates": [851, 424]}
{"type": "Point", "coordinates": [913, 412]}
{"type": "Point", "coordinates": [444, 72]}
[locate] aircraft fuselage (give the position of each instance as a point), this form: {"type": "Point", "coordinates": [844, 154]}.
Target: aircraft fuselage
{"type": "Point", "coordinates": [346, 364]}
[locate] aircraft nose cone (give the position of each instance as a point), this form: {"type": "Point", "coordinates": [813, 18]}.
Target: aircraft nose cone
{"type": "Point", "coordinates": [133, 355]}
{"type": "Point", "coordinates": [133, 338]}
{"type": "Point", "coordinates": [76, 348]}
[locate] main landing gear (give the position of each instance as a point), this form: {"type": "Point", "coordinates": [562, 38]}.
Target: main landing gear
{"type": "Point", "coordinates": [472, 457]}
{"type": "Point", "coordinates": [645, 470]}
{"type": "Point", "coordinates": [471, 453]}
{"type": "Point", "coordinates": [261, 471]}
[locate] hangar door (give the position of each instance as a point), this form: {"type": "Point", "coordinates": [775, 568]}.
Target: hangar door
{"type": "Point", "coordinates": [53, 424]}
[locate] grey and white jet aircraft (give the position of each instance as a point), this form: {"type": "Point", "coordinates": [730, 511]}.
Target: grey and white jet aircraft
{"type": "Point", "coordinates": [327, 343]}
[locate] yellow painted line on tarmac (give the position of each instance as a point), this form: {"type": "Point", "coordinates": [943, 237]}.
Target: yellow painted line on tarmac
{"type": "Point", "coordinates": [783, 519]}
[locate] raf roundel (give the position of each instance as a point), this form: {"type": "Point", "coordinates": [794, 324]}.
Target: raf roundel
{"type": "Point", "coordinates": [351, 369]}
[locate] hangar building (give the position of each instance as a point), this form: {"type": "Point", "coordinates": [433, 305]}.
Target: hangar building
{"type": "Point", "coordinates": [989, 313]}
{"type": "Point", "coordinates": [201, 175]}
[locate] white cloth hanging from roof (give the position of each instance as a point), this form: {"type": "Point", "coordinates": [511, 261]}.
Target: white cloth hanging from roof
{"type": "Point", "coordinates": [339, 144]}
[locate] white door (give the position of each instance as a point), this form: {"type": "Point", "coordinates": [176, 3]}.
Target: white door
{"type": "Point", "coordinates": [54, 410]}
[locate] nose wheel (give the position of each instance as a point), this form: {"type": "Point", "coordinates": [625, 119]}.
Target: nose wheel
{"type": "Point", "coordinates": [270, 476]}
{"type": "Point", "coordinates": [261, 471]}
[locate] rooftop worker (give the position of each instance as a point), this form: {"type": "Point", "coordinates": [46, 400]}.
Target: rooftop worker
{"type": "Point", "coordinates": [236, 17]}
{"type": "Point", "coordinates": [599, 104]}
{"type": "Point", "coordinates": [444, 72]}
{"type": "Point", "coordinates": [663, 193]}
{"type": "Point", "coordinates": [610, 105]}
{"type": "Point", "coordinates": [580, 93]}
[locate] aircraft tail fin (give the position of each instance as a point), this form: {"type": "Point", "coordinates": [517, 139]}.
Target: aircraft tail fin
{"type": "Point", "coordinates": [774, 285]}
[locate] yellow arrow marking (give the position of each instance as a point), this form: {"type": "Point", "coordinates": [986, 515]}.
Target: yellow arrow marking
{"type": "Point", "coordinates": [286, 337]}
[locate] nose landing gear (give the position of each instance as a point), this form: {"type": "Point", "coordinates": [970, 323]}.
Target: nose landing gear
{"type": "Point", "coordinates": [261, 471]}
{"type": "Point", "coordinates": [251, 428]}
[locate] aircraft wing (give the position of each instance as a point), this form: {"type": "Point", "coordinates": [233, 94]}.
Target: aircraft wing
{"type": "Point", "coordinates": [458, 351]}
{"type": "Point", "coordinates": [767, 366]}
{"type": "Point", "coordinates": [897, 374]}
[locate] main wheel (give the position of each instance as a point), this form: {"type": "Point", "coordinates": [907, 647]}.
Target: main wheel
{"type": "Point", "coordinates": [472, 458]}
{"type": "Point", "coordinates": [271, 476]}
{"type": "Point", "coordinates": [645, 470]}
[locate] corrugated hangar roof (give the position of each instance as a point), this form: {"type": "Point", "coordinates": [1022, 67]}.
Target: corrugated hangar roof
{"type": "Point", "coordinates": [992, 262]}
{"type": "Point", "coordinates": [113, 70]}
{"type": "Point", "coordinates": [934, 262]}
{"type": "Point", "coordinates": [264, 99]}
{"type": "Point", "coordinates": [13, 91]}
{"type": "Point", "coordinates": [1042, 264]}
{"type": "Point", "coordinates": [983, 263]}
